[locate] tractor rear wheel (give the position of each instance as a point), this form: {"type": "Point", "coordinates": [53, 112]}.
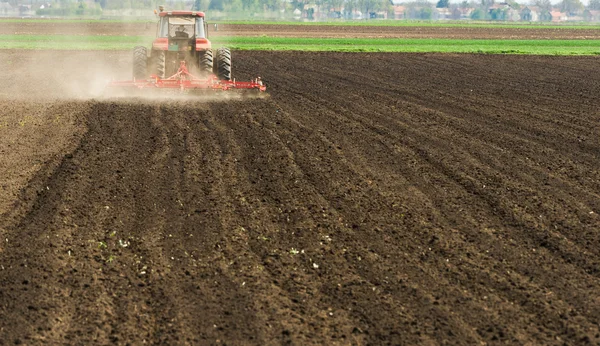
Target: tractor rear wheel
{"type": "Point", "coordinates": [222, 67]}
{"type": "Point", "coordinates": [140, 62]}
{"type": "Point", "coordinates": [158, 63]}
{"type": "Point", "coordinates": [205, 61]}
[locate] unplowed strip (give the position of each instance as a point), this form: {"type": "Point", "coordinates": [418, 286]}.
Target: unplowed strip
{"type": "Point", "coordinates": [371, 199]}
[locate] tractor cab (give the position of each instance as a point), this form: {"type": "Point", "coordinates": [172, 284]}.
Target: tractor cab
{"type": "Point", "coordinates": [181, 31]}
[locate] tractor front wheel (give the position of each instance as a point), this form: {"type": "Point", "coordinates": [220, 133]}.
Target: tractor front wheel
{"type": "Point", "coordinates": [222, 67]}
{"type": "Point", "coordinates": [140, 62]}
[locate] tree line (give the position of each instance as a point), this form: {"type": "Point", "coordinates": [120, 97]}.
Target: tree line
{"type": "Point", "coordinates": [419, 9]}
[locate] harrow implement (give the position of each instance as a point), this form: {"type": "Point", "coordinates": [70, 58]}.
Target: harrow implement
{"type": "Point", "coordinates": [184, 81]}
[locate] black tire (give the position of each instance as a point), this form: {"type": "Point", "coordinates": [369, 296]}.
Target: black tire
{"type": "Point", "coordinates": [205, 61]}
{"type": "Point", "coordinates": [159, 63]}
{"type": "Point", "coordinates": [140, 62]}
{"type": "Point", "coordinates": [222, 66]}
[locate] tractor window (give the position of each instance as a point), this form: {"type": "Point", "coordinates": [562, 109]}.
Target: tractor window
{"type": "Point", "coordinates": [181, 27]}
{"type": "Point", "coordinates": [200, 28]}
{"type": "Point", "coordinates": [163, 27]}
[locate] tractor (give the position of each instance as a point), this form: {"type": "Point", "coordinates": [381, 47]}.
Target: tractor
{"type": "Point", "coordinates": [181, 36]}
{"type": "Point", "coordinates": [182, 58]}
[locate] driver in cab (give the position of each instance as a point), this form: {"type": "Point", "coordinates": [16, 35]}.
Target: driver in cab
{"type": "Point", "coordinates": [180, 32]}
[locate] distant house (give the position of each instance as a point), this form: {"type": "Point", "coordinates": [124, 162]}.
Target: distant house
{"type": "Point", "coordinates": [503, 11]}
{"type": "Point", "coordinates": [513, 14]}
{"type": "Point", "coordinates": [499, 6]}
{"type": "Point", "coordinates": [311, 12]}
{"type": "Point", "coordinates": [465, 13]}
{"type": "Point", "coordinates": [356, 14]}
{"type": "Point", "coordinates": [455, 13]}
{"type": "Point", "coordinates": [576, 18]}
{"type": "Point", "coordinates": [378, 15]}
{"type": "Point", "coordinates": [530, 14]}
{"type": "Point", "coordinates": [399, 12]}
{"type": "Point", "coordinates": [442, 13]}
{"type": "Point", "coordinates": [336, 12]}
{"type": "Point", "coordinates": [558, 16]}
{"type": "Point", "coordinates": [591, 16]}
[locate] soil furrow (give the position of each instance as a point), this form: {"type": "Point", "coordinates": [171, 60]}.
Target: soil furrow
{"type": "Point", "coordinates": [369, 199]}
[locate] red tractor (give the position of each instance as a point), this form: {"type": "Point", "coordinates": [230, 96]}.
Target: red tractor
{"type": "Point", "coordinates": [182, 58]}
{"type": "Point", "coordinates": [181, 36]}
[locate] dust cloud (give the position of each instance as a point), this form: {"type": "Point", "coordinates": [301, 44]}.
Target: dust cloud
{"type": "Point", "coordinates": [83, 75]}
{"type": "Point", "coordinates": [59, 74]}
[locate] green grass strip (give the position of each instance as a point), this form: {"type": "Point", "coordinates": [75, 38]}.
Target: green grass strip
{"type": "Point", "coordinates": [539, 47]}
{"type": "Point", "coordinates": [98, 42]}
{"type": "Point", "coordinates": [72, 42]}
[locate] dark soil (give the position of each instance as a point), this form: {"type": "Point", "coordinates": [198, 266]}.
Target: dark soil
{"type": "Point", "coordinates": [275, 30]}
{"type": "Point", "coordinates": [370, 199]}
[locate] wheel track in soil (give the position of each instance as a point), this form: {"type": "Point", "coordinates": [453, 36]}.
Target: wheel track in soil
{"type": "Point", "coordinates": [347, 89]}
{"type": "Point", "coordinates": [419, 192]}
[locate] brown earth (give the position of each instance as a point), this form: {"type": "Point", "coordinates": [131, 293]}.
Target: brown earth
{"type": "Point", "coordinates": [141, 29]}
{"type": "Point", "coordinates": [370, 199]}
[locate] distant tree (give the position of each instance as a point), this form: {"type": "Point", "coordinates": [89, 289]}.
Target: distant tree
{"type": "Point", "coordinates": [420, 9]}
{"type": "Point", "coordinates": [368, 6]}
{"type": "Point", "coordinates": [594, 5]}
{"type": "Point", "coordinates": [235, 6]}
{"type": "Point", "coordinates": [216, 5]}
{"type": "Point", "coordinates": [543, 5]}
{"type": "Point", "coordinates": [485, 8]}
{"type": "Point", "coordinates": [513, 4]}
{"type": "Point", "coordinates": [444, 4]}
{"type": "Point", "coordinates": [571, 6]}
{"type": "Point", "coordinates": [545, 16]}
{"type": "Point", "coordinates": [101, 2]}
{"type": "Point", "coordinates": [426, 13]}
{"type": "Point", "coordinates": [349, 7]}
{"type": "Point", "coordinates": [487, 3]}
{"type": "Point", "coordinates": [478, 14]}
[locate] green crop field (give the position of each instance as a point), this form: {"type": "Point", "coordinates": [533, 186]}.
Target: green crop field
{"type": "Point", "coordinates": [546, 47]}
{"type": "Point", "coordinates": [97, 42]}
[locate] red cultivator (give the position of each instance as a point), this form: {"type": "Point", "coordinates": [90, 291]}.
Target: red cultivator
{"type": "Point", "coordinates": [183, 80]}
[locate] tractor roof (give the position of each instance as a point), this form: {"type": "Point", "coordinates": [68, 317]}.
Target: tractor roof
{"type": "Point", "coordinates": [181, 13]}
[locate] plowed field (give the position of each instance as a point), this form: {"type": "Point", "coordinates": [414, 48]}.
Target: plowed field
{"type": "Point", "coordinates": [369, 199]}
